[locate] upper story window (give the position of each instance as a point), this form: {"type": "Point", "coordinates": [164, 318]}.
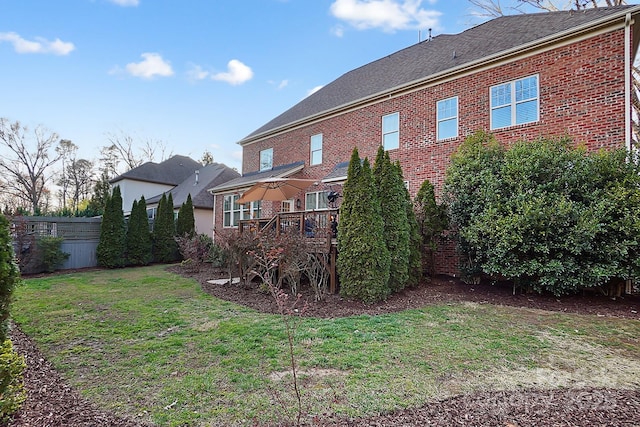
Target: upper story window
{"type": "Point", "coordinates": [391, 131]}
{"type": "Point", "coordinates": [316, 200]}
{"type": "Point", "coordinates": [447, 118]}
{"type": "Point", "coordinates": [266, 159]}
{"type": "Point", "coordinates": [515, 103]}
{"type": "Point", "coordinates": [233, 212]}
{"type": "Point", "coordinates": [316, 150]}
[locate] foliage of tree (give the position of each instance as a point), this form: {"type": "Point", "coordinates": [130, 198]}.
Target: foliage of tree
{"type": "Point", "coordinates": [101, 193]}
{"type": "Point", "coordinates": [363, 258]}
{"type": "Point", "coordinates": [111, 249]}
{"type": "Point", "coordinates": [547, 215]}
{"type": "Point", "coordinates": [207, 158]}
{"type": "Point", "coordinates": [139, 246]}
{"type": "Point", "coordinates": [186, 223]}
{"type": "Point", "coordinates": [12, 366]}
{"type": "Point", "coordinates": [392, 198]}
{"type": "Point", "coordinates": [25, 167]}
{"type": "Point", "coordinates": [165, 248]}
{"type": "Point", "coordinates": [432, 221]}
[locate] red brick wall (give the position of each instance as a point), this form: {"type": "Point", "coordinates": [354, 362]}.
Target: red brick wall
{"type": "Point", "coordinates": [581, 95]}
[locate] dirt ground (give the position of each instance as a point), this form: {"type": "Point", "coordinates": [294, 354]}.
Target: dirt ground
{"type": "Point", "coordinates": [52, 402]}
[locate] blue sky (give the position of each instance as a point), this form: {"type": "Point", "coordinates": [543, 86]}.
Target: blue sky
{"type": "Point", "coordinates": [194, 74]}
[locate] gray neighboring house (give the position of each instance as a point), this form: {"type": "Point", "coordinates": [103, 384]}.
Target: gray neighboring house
{"type": "Point", "coordinates": [180, 176]}
{"type": "Point", "coordinates": [197, 185]}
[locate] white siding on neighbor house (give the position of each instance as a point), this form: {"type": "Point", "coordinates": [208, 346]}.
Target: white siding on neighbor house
{"type": "Point", "coordinates": [204, 221]}
{"type": "Point", "coordinates": [132, 190]}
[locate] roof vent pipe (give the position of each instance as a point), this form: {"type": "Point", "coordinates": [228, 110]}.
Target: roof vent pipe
{"type": "Point", "coordinates": [197, 176]}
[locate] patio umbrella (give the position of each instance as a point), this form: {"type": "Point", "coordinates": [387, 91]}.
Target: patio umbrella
{"type": "Point", "coordinates": [275, 189]}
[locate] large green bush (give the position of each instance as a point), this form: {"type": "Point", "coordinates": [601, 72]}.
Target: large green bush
{"type": "Point", "coordinates": [165, 248]}
{"type": "Point", "coordinates": [546, 215]}
{"type": "Point", "coordinates": [186, 223]}
{"type": "Point", "coordinates": [11, 364]}
{"type": "Point", "coordinates": [363, 257]}
{"type": "Point", "coordinates": [51, 255]}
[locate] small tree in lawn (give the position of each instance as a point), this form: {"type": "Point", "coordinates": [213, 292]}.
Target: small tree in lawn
{"type": "Point", "coordinates": [111, 248]}
{"type": "Point", "coordinates": [391, 194]}
{"type": "Point", "coordinates": [138, 236]}
{"type": "Point", "coordinates": [363, 258]}
{"type": "Point", "coordinates": [186, 224]}
{"type": "Point", "coordinates": [11, 364]}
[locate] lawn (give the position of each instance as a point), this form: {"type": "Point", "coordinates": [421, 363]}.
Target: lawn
{"type": "Point", "coordinates": [150, 345]}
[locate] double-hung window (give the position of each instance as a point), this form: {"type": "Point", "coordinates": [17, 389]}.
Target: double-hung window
{"type": "Point", "coordinates": [316, 200]}
{"type": "Point", "coordinates": [391, 131]}
{"type": "Point", "coordinates": [233, 212]}
{"type": "Point", "coordinates": [316, 150]}
{"type": "Point", "coordinates": [515, 103]}
{"type": "Point", "coordinates": [266, 159]}
{"type": "Point", "coordinates": [447, 118]}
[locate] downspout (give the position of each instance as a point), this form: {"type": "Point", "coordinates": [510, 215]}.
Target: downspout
{"type": "Point", "coordinates": [627, 81]}
{"type": "Point", "coordinates": [628, 62]}
{"type": "Point", "coordinates": [213, 231]}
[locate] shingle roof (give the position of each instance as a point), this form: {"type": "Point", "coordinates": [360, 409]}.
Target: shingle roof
{"type": "Point", "coordinates": [172, 171]}
{"type": "Point", "coordinates": [248, 179]}
{"type": "Point", "coordinates": [208, 176]}
{"type": "Point", "coordinates": [440, 55]}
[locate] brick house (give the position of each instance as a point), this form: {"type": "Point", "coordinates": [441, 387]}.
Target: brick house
{"type": "Point", "coordinates": [519, 77]}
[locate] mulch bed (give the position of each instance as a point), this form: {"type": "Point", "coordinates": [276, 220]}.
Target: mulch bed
{"type": "Point", "coordinates": [52, 402]}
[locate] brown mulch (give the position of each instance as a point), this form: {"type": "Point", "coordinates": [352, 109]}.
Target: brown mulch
{"type": "Point", "coordinates": [51, 402]}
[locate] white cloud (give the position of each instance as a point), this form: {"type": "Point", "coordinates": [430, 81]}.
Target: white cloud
{"type": "Point", "coordinates": [39, 45]}
{"type": "Point", "coordinates": [338, 31]}
{"type": "Point", "coordinates": [237, 73]}
{"type": "Point", "coordinates": [196, 72]}
{"type": "Point", "coordinates": [153, 65]}
{"type": "Point", "coordinates": [389, 15]}
{"type": "Point", "coordinates": [314, 90]}
{"type": "Point", "coordinates": [126, 3]}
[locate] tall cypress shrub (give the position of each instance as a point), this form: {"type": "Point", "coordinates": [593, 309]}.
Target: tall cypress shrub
{"type": "Point", "coordinates": [391, 194]}
{"type": "Point", "coordinates": [363, 258]}
{"type": "Point", "coordinates": [432, 221]}
{"type": "Point", "coordinates": [110, 252]}
{"type": "Point", "coordinates": [138, 236]}
{"type": "Point", "coordinates": [164, 245]}
{"type": "Point", "coordinates": [186, 224]}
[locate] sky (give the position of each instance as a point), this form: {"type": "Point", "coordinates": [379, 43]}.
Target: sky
{"type": "Point", "coordinates": [192, 75]}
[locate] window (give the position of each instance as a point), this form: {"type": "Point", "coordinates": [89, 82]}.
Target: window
{"type": "Point", "coordinates": [266, 159]}
{"type": "Point", "coordinates": [316, 200]}
{"type": "Point", "coordinates": [316, 150]}
{"type": "Point", "coordinates": [391, 131]}
{"type": "Point", "coordinates": [233, 212]}
{"type": "Point", "coordinates": [514, 103]}
{"type": "Point", "coordinates": [447, 118]}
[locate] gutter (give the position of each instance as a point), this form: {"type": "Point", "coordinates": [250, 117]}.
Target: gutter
{"type": "Point", "coordinates": [627, 81]}
{"type": "Point", "coordinates": [449, 73]}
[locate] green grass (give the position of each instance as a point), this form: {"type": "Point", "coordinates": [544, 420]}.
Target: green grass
{"type": "Point", "coordinates": [151, 345]}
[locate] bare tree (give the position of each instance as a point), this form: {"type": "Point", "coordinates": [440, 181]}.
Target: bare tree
{"type": "Point", "coordinates": [67, 151]}
{"type": "Point", "coordinates": [79, 173]}
{"type": "Point", "coordinates": [24, 168]}
{"type": "Point", "coordinates": [207, 158]}
{"type": "Point", "coordinates": [493, 9]}
{"type": "Point", "coordinates": [123, 148]}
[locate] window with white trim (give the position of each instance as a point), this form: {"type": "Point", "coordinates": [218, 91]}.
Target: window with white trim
{"type": "Point", "coordinates": [515, 103]}
{"type": "Point", "coordinates": [266, 159]}
{"type": "Point", "coordinates": [391, 131]}
{"type": "Point", "coordinates": [447, 118]}
{"type": "Point", "coordinates": [316, 150]}
{"type": "Point", "coordinates": [232, 212]}
{"type": "Point", "coordinates": [316, 200]}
